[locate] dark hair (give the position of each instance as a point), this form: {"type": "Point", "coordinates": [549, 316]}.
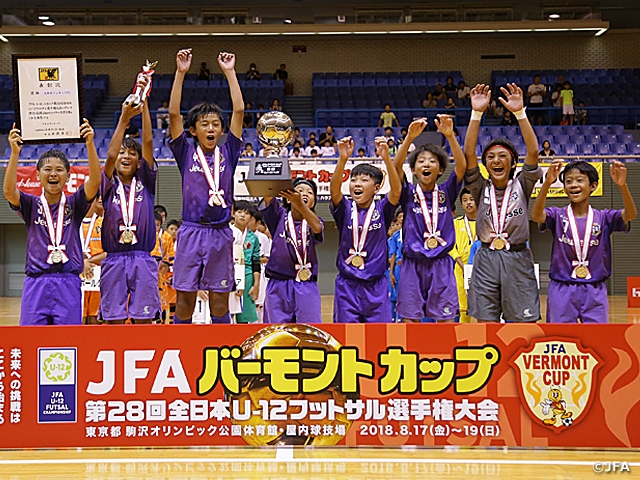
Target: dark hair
{"type": "Point", "coordinates": [449, 78]}
{"type": "Point", "coordinates": [240, 205]}
{"type": "Point", "coordinates": [362, 150]}
{"type": "Point", "coordinates": [438, 152]}
{"type": "Point", "coordinates": [368, 170]}
{"type": "Point", "coordinates": [537, 75]}
{"type": "Point", "coordinates": [159, 209]}
{"type": "Point", "coordinates": [388, 128]}
{"type": "Point", "coordinates": [310, 183]}
{"type": "Point", "coordinates": [201, 110]}
{"type": "Point", "coordinates": [257, 215]}
{"type": "Point", "coordinates": [158, 217]}
{"type": "Point", "coordinates": [507, 144]}
{"type": "Point", "coordinates": [567, 82]}
{"type": "Point", "coordinates": [387, 105]}
{"type": "Point", "coordinates": [174, 222]}
{"type": "Point", "coordinates": [54, 154]}
{"type": "Point", "coordinates": [296, 149]}
{"type": "Point", "coordinates": [131, 144]}
{"type": "Point", "coordinates": [397, 213]}
{"type": "Point", "coordinates": [582, 167]}
{"type": "Point", "coordinates": [465, 191]}
{"type": "Point", "coordinates": [313, 150]}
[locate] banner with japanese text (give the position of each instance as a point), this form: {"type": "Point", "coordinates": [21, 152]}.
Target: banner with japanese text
{"type": "Point", "coordinates": [356, 385]}
{"type": "Point", "coordinates": [28, 180]}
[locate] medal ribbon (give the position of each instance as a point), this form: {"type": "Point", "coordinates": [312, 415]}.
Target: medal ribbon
{"type": "Point", "coordinates": [581, 252]}
{"type": "Point", "coordinates": [87, 240]}
{"type": "Point", "coordinates": [472, 238]}
{"type": "Point", "coordinates": [55, 233]}
{"type": "Point", "coordinates": [359, 240]}
{"type": "Point", "coordinates": [499, 221]}
{"type": "Point", "coordinates": [127, 209]}
{"type": "Point", "coordinates": [302, 259]}
{"type": "Point", "coordinates": [430, 222]}
{"type": "Point", "coordinates": [216, 196]}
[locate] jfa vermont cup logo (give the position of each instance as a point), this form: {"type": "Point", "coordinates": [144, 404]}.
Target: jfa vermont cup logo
{"type": "Point", "coordinates": [556, 379]}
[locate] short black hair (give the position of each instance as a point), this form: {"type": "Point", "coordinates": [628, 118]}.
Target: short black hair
{"type": "Point", "coordinates": [388, 128]}
{"type": "Point", "coordinates": [313, 150]}
{"type": "Point", "coordinates": [314, 187]}
{"type": "Point", "coordinates": [368, 170]}
{"type": "Point", "coordinates": [131, 144]}
{"type": "Point", "coordinates": [507, 144]}
{"type": "Point", "coordinates": [59, 154]}
{"type": "Point", "coordinates": [158, 217]}
{"type": "Point", "coordinates": [174, 222]}
{"type": "Point", "coordinates": [465, 191]}
{"type": "Point", "coordinates": [257, 215]}
{"type": "Point", "coordinates": [201, 110]}
{"type": "Point", "coordinates": [583, 167]}
{"type": "Point", "coordinates": [440, 154]}
{"type": "Point", "coordinates": [240, 205]}
{"type": "Point", "coordinates": [160, 209]}
{"type": "Point", "coordinates": [362, 150]}
{"type": "Point", "coordinates": [567, 82]}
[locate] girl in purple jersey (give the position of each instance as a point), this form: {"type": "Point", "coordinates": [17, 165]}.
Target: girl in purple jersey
{"type": "Point", "coordinates": [581, 249]}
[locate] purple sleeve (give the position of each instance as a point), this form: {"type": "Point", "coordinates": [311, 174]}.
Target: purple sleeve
{"type": "Point", "coordinates": [25, 207]}
{"type": "Point", "coordinates": [148, 176]}
{"type": "Point", "coordinates": [339, 212]}
{"type": "Point", "coordinates": [550, 222]}
{"type": "Point", "coordinates": [180, 147]}
{"type": "Point", "coordinates": [271, 214]}
{"type": "Point", "coordinates": [106, 184]}
{"type": "Point", "coordinates": [319, 237]}
{"type": "Point", "coordinates": [80, 205]}
{"type": "Point", "coordinates": [388, 211]}
{"type": "Point", "coordinates": [452, 186]}
{"type": "Point", "coordinates": [613, 220]}
{"type": "Point", "coordinates": [405, 196]}
{"type": "Point", "coordinates": [233, 148]}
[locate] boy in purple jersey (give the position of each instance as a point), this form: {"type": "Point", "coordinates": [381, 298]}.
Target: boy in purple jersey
{"type": "Point", "coordinates": [361, 291]}
{"type": "Point", "coordinates": [580, 266]}
{"type": "Point", "coordinates": [129, 277]}
{"type": "Point", "coordinates": [203, 261]}
{"type": "Point", "coordinates": [51, 293]}
{"type": "Point", "coordinates": [428, 283]}
{"type": "Point", "coordinates": [503, 282]}
{"type": "Point", "coordinates": [292, 292]}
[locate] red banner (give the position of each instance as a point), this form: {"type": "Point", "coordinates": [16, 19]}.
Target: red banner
{"type": "Point", "coordinates": [391, 385]}
{"type": "Point", "coordinates": [28, 180]}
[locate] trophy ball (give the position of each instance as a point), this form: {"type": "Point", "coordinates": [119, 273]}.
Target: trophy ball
{"type": "Point", "coordinates": [274, 129]}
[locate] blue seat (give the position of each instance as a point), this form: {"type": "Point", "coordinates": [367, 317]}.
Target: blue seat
{"type": "Point", "coordinates": [587, 149]}
{"type": "Point", "coordinates": [561, 139]}
{"type": "Point", "coordinates": [609, 138]}
{"type": "Point", "coordinates": [619, 149]}
{"type": "Point", "coordinates": [569, 149]}
{"type": "Point", "coordinates": [577, 139]}
{"type": "Point", "coordinates": [602, 149]}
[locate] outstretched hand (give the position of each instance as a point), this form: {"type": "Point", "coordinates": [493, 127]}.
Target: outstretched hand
{"type": "Point", "coordinates": [129, 110]}
{"type": "Point", "coordinates": [382, 148]}
{"type": "Point", "coordinates": [345, 147]}
{"type": "Point", "coordinates": [227, 61]}
{"type": "Point", "coordinates": [86, 131]}
{"type": "Point", "coordinates": [444, 124]}
{"type": "Point", "coordinates": [183, 60]}
{"type": "Point", "coordinates": [15, 140]}
{"type": "Point", "coordinates": [480, 97]}
{"type": "Point", "coordinates": [553, 172]}
{"type": "Point", "coordinates": [293, 197]}
{"type": "Point", "coordinates": [514, 101]}
{"type": "Point", "coordinates": [618, 173]}
{"type": "Point", "coordinates": [416, 128]}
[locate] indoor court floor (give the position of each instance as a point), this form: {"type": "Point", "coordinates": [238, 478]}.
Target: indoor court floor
{"type": "Point", "coordinates": [326, 463]}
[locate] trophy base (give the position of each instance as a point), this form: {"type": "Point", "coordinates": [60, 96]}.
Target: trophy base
{"type": "Point", "coordinates": [268, 177]}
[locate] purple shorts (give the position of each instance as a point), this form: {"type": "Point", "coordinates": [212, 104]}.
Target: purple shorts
{"type": "Point", "coordinates": [204, 259]}
{"type": "Point", "coordinates": [568, 302]}
{"type": "Point", "coordinates": [361, 301]}
{"type": "Point", "coordinates": [289, 301]}
{"type": "Point", "coordinates": [129, 286]}
{"type": "Point", "coordinates": [428, 289]}
{"type": "Point", "coordinates": [53, 299]}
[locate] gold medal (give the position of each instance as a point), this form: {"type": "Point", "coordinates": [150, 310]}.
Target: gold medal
{"type": "Point", "coordinates": [432, 243]}
{"type": "Point", "coordinates": [217, 201]}
{"type": "Point", "coordinates": [357, 261]}
{"type": "Point", "coordinates": [127, 236]}
{"type": "Point", "coordinates": [304, 275]}
{"type": "Point", "coordinates": [498, 244]}
{"type": "Point", "coordinates": [582, 271]}
{"type": "Point", "coordinates": [56, 256]}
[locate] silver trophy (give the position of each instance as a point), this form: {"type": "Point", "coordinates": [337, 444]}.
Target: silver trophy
{"type": "Point", "coordinates": [270, 175]}
{"type": "Point", "coordinates": [140, 92]}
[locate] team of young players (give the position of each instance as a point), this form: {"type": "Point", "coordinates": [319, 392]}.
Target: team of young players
{"type": "Point", "coordinates": [503, 284]}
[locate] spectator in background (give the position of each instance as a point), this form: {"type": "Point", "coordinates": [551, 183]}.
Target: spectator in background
{"type": "Point", "coordinates": [162, 117]}
{"type": "Point", "coordinates": [297, 137]}
{"type": "Point", "coordinates": [253, 73]}
{"type": "Point", "coordinates": [248, 151]}
{"type": "Point", "coordinates": [312, 135]}
{"type": "Point", "coordinates": [361, 153]}
{"type": "Point", "coordinates": [204, 72]}
{"type": "Point", "coordinates": [260, 112]}
{"type": "Point", "coordinates": [328, 135]}
{"type": "Point", "coordinates": [387, 118]}
{"type": "Point", "coordinates": [327, 149]}
{"type": "Point", "coordinates": [463, 91]}
{"type": "Point", "coordinates": [496, 108]}
{"type": "Point", "coordinates": [567, 104]}
{"type": "Point", "coordinates": [131, 131]}
{"type": "Point", "coordinates": [429, 101]}
{"type": "Point", "coordinates": [411, 148]}
{"type": "Point", "coordinates": [281, 73]}
{"type": "Point", "coordinates": [392, 146]}
{"type": "Point", "coordinates": [388, 134]}
{"type": "Point", "coordinates": [283, 153]}
{"type": "Point", "coordinates": [275, 105]}
{"type": "Point", "coordinates": [439, 93]}
{"type": "Point", "coordinates": [508, 120]}
{"type": "Point", "coordinates": [546, 150]}
{"type": "Point", "coordinates": [536, 93]}
{"type": "Point", "coordinates": [247, 119]}
{"type": "Point", "coordinates": [449, 86]}
{"type": "Point", "coordinates": [581, 114]}
{"type": "Point", "coordinates": [296, 153]}
{"type": "Point", "coordinates": [311, 147]}
{"type": "Point", "coordinates": [450, 103]}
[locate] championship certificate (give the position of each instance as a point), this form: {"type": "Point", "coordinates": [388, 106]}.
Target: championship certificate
{"type": "Point", "coordinates": [48, 98]}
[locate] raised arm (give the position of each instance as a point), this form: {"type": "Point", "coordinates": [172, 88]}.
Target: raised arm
{"type": "Point", "coordinates": [309, 215]}
{"type": "Point", "coordinates": [92, 185]}
{"type": "Point", "coordinates": [345, 147]}
{"type": "Point", "coordinates": [128, 112]}
{"type": "Point", "coordinates": [183, 63]}
{"type": "Point", "coordinates": [515, 104]}
{"type": "Point", "coordinates": [538, 214]}
{"type": "Point", "coordinates": [480, 98]}
{"type": "Point", "coordinates": [445, 127]}
{"type": "Point", "coordinates": [227, 62]}
{"type": "Point", "coordinates": [147, 135]}
{"type": "Point", "coordinates": [11, 192]}
{"type": "Point", "coordinates": [415, 129]}
{"type": "Point", "coordinates": [619, 177]}
{"type": "Point", "coordinates": [395, 184]}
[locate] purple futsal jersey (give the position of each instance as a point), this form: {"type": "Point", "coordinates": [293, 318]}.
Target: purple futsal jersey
{"type": "Point", "coordinates": [195, 189]}
{"type": "Point", "coordinates": [31, 211]}
{"type": "Point", "coordinates": [143, 217]}
{"type": "Point", "coordinates": [414, 226]}
{"type": "Point", "coordinates": [375, 261]}
{"type": "Point", "coordinates": [282, 262]}
{"type": "Point", "coordinates": [562, 252]}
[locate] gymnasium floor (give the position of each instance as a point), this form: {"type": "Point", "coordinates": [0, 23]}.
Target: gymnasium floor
{"type": "Point", "coordinates": [286, 463]}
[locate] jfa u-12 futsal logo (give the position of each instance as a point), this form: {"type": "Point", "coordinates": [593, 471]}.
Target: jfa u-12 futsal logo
{"type": "Point", "coordinates": [556, 381]}
{"type": "Point", "coordinates": [57, 385]}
